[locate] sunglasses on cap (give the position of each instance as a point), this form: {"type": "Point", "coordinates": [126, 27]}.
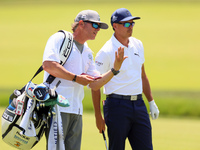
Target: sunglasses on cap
{"type": "Point", "coordinates": [94, 24]}
{"type": "Point", "coordinates": [127, 24]}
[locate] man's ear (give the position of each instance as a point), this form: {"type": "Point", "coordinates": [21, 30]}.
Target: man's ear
{"type": "Point", "coordinates": [114, 25]}
{"type": "Point", "coordinates": [81, 23]}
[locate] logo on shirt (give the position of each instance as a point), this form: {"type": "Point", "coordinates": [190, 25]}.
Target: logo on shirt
{"type": "Point", "coordinates": [136, 54]}
{"type": "Point", "coordinates": [98, 63]}
{"type": "Point", "coordinates": [90, 56]}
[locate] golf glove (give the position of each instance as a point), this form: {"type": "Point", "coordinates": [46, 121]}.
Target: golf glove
{"type": "Point", "coordinates": [154, 112]}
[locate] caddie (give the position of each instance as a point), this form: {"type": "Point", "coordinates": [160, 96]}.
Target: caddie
{"type": "Point", "coordinates": [125, 112]}
{"type": "Point", "coordinates": [77, 72]}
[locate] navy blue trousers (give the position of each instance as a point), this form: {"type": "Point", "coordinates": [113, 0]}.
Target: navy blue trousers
{"type": "Point", "coordinates": [127, 119]}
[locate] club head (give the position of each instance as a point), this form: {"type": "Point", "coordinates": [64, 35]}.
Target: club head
{"type": "Point", "coordinates": [41, 92]}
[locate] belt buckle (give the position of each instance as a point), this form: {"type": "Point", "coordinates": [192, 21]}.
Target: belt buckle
{"type": "Point", "coordinates": [133, 97]}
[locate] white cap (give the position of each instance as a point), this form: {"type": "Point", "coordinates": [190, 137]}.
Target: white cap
{"type": "Point", "coordinates": [90, 15]}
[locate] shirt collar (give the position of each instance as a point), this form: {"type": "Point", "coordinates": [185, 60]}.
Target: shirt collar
{"type": "Point", "coordinates": [118, 44]}
{"type": "Point", "coordinates": [85, 47]}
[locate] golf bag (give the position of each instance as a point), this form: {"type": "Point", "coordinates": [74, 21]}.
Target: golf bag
{"type": "Point", "coordinates": [12, 132]}
{"type": "Point", "coordinates": [26, 117]}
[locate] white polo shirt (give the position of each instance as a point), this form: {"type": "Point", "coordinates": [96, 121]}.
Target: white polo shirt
{"type": "Point", "coordinates": [77, 63]}
{"type": "Point", "coordinates": [128, 81]}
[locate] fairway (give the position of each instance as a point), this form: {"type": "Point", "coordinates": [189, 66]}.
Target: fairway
{"type": "Point", "coordinates": [168, 134]}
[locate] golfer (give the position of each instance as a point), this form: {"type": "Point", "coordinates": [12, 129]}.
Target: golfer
{"type": "Point", "coordinates": [125, 112]}
{"type": "Point", "coordinates": [85, 27]}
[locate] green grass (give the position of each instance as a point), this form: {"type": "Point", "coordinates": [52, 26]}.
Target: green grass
{"type": "Point", "coordinates": [168, 134]}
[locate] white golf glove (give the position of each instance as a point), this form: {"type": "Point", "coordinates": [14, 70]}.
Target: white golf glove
{"type": "Point", "coordinates": [154, 112]}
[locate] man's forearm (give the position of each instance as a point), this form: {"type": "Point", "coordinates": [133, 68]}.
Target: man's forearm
{"type": "Point", "coordinates": [100, 82]}
{"type": "Point", "coordinates": [147, 89]}
{"type": "Point", "coordinates": [57, 70]}
{"type": "Point", "coordinates": [96, 97]}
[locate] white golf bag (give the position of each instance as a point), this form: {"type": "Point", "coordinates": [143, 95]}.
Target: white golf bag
{"type": "Point", "coordinates": [13, 133]}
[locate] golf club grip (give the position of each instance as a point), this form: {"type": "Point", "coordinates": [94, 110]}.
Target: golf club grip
{"type": "Point", "coordinates": [57, 84]}
{"type": "Point", "coordinates": [103, 135]}
{"type": "Point", "coordinates": [105, 140]}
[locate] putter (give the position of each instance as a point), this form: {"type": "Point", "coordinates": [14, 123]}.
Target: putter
{"type": "Point", "coordinates": [104, 137]}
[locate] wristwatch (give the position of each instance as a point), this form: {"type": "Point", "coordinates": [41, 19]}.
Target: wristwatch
{"type": "Point", "coordinates": [114, 71]}
{"type": "Point", "coordinates": [74, 79]}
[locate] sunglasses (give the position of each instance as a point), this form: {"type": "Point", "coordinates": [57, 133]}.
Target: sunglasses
{"type": "Point", "coordinates": [127, 24]}
{"type": "Point", "coordinates": [94, 24]}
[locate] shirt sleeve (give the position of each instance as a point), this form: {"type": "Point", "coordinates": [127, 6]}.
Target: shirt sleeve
{"type": "Point", "coordinates": [51, 52]}
{"type": "Point", "coordinates": [102, 62]}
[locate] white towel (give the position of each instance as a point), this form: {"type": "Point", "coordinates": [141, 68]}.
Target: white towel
{"type": "Point", "coordinates": [56, 132]}
{"type": "Point", "coordinates": [26, 123]}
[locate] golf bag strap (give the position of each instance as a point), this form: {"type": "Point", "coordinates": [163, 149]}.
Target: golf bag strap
{"type": "Point", "coordinates": [38, 71]}
{"type": "Point", "coordinates": [65, 51]}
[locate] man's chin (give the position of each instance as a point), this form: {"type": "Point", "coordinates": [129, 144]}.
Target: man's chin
{"type": "Point", "coordinates": [130, 34]}
{"type": "Point", "coordinates": [92, 38]}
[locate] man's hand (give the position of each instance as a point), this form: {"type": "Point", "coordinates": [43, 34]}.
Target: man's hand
{"type": "Point", "coordinates": [153, 109]}
{"type": "Point", "coordinates": [100, 123]}
{"type": "Point", "coordinates": [119, 58]}
{"type": "Point", "coordinates": [84, 79]}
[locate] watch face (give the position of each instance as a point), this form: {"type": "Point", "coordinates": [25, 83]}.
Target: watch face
{"type": "Point", "coordinates": [114, 71]}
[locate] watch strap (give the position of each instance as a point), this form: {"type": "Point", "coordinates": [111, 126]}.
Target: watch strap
{"type": "Point", "coordinates": [74, 79]}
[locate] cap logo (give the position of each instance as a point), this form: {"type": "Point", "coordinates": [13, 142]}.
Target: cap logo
{"type": "Point", "coordinates": [114, 18]}
{"type": "Point", "coordinates": [83, 17]}
{"type": "Point", "coordinates": [128, 13]}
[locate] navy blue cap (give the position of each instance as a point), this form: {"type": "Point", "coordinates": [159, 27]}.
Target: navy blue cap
{"type": "Point", "coordinates": [122, 14]}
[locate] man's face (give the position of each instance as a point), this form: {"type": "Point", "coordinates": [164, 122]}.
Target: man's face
{"type": "Point", "coordinates": [124, 28]}
{"type": "Point", "coordinates": [91, 30]}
